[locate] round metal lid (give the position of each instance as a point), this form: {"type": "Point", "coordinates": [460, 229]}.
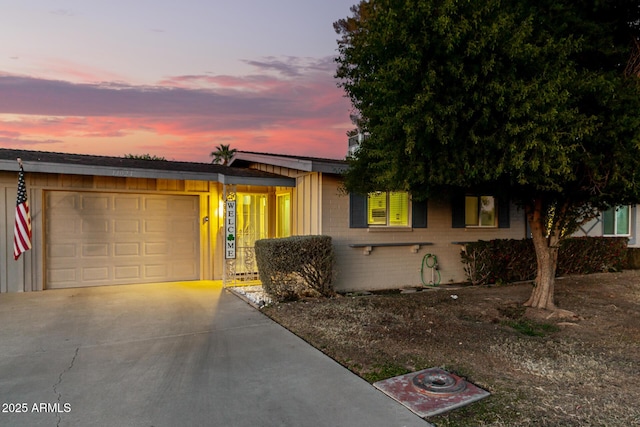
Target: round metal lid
{"type": "Point", "coordinates": [438, 382]}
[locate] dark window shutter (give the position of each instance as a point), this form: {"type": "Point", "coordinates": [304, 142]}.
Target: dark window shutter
{"type": "Point", "coordinates": [357, 211]}
{"type": "Point", "coordinates": [419, 214]}
{"type": "Point", "coordinates": [504, 210]}
{"type": "Point", "coordinates": [457, 212]}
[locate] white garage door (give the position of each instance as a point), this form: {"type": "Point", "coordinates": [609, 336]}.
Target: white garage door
{"type": "Point", "coordinates": [95, 239]}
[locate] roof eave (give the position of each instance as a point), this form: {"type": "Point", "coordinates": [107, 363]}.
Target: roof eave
{"type": "Point", "coordinates": [109, 171]}
{"type": "Point", "coordinates": [286, 162]}
{"type": "Point", "coordinates": [325, 167]}
{"type": "Point", "coordinates": [291, 163]}
{"type": "Point", "coordinates": [262, 181]}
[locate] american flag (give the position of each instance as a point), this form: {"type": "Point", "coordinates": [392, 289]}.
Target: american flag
{"type": "Point", "coordinates": [22, 228]}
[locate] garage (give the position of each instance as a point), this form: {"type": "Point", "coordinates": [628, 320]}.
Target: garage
{"type": "Point", "coordinates": [102, 238]}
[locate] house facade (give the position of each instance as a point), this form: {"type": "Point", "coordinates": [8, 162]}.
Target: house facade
{"type": "Point", "coordinates": [386, 240]}
{"type": "Point", "coordinates": [104, 221]}
{"type": "Point", "coordinates": [381, 240]}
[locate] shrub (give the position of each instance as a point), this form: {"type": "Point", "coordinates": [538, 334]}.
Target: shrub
{"type": "Point", "coordinates": [585, 255]}
{"type": "Point", "coordinates": [508, 260]}
{"type": "Point", "coordinates": [291, 267]}
{"type": "Point", "coordinates": [633, 258]}
{"type": "Point", "coordinates": [503, 260]}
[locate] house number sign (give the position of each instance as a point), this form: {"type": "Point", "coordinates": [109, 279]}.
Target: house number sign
{"type": "Point", "coordinates": [230, 230]}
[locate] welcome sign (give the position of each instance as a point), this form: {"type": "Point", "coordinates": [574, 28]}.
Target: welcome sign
{"type": "Point", "coordinates": [230, 230]}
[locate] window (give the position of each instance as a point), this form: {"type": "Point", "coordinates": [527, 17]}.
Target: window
{"type": "Point", "coordinates": [388, 209]}
{"type": "Point", "coordinates": [473, 211]}
{"type": "Point", "coordinates": [283, 215]}
{"type": "Point", "coordinates": [480, 211]}
{"type": "Point", "coordinates": [615, 221]}
{"type": "Point", "coordinates": [251, 219]}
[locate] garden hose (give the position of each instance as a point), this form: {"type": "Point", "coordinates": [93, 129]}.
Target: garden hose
{"type": "Point", "coordinates": [430, 261]}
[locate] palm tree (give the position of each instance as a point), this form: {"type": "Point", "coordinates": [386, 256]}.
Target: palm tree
{"type": "Point", "coordinates": [223, 154]}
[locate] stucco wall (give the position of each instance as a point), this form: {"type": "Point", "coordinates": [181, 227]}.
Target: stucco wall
{"type": "Point", "coordinates": [594, 228]}
{"type": "Point", "coordinates": [398, 266]}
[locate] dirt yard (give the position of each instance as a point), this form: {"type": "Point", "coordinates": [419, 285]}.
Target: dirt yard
{"type": "Point", "coordinates": [582, 371]}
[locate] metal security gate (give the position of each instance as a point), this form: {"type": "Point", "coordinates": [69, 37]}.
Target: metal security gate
{"type": "Point", "coordinates": [252, 223]}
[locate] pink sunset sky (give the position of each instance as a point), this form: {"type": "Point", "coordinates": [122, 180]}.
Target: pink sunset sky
{"type": "Point", "coordinates": [172, 79]}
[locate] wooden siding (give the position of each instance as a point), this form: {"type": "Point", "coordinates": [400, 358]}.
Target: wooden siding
{"type": "Point", "coordinates": [306, 198]}
{"type": "Point", "coordinates": [308, 204]}
{"type": "Point", "coordinates": [27, 273]}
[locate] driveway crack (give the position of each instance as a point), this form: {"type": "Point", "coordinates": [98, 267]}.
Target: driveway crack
{"type": "Point", "coordinates": [57, 384]}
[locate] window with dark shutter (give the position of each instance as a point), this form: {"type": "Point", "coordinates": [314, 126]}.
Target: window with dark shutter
{"type": "Point", "coordinates": [386, 209]}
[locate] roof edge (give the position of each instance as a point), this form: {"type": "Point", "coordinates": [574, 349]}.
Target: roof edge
{"type": "Point", "coordinates": [122, 172]}
{"type": "Point", "coordinates": [303, 164]}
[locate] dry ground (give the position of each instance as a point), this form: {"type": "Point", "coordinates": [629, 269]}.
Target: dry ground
{"type": "Point", "coordinates": [582, 371]}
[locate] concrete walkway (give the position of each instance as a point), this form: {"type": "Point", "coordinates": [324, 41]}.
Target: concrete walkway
{"type": "Point", "coordinates": [185, 354]}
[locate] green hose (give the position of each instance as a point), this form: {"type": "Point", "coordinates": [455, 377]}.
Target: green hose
{"type": "Point", "coordinates": [430, 261]}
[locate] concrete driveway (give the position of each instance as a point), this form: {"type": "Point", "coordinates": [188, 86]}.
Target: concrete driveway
{"type": "Point", "coordinates": [185, 354]}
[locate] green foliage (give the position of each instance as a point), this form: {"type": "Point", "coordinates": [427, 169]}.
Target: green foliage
{"type": "Point", "coordinates": [223, 153]}
{"type": "Point", "coordinates": [382, 372]}
{"type": "Point", "coordinates": [537, 99]}
{"type": "Point", "coordinates": [528, 94]}
{"type": "Point", "coordinates": [531, 328]}
{"type": "Point", "coordinates": [508, 260]}
{"type": "Point", "coordinates": [146, 156]}
{"type": "Point", "coordinates": [291, 267]}
{"type": "Point", "coordinates": [497, 410]}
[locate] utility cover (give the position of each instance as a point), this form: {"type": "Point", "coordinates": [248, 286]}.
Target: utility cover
{"type": "Point", "coordinates": [431, 391]}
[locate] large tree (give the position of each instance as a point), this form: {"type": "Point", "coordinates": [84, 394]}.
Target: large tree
{"type": "Point", "coordinates": [539, 99]}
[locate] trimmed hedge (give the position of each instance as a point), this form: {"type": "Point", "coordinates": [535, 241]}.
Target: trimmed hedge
{"type": "Point", "coordinates": [509, 260]}
{"type": "Point", "coordinates": [292, 267]}
{"type": "Point", "coordinates": [633, 258]}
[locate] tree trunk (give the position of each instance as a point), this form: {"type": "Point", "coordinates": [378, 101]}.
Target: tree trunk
{"type": "Point", "coordinates": [546, 249]}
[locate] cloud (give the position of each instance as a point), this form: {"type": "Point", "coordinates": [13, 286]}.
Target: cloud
{"type": "Point", "coordinates": [16, 140]}
{"type": "Point", "coordinates": [26, 95]}
{"type": "Point", "coordinates": [62, 12]}
{"type": "Point", "coordinates": [293, 66]}
{"type": "Point", "coordinates": [289, 105]}
{"type": "Point", "coordinates": [284, 68]}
